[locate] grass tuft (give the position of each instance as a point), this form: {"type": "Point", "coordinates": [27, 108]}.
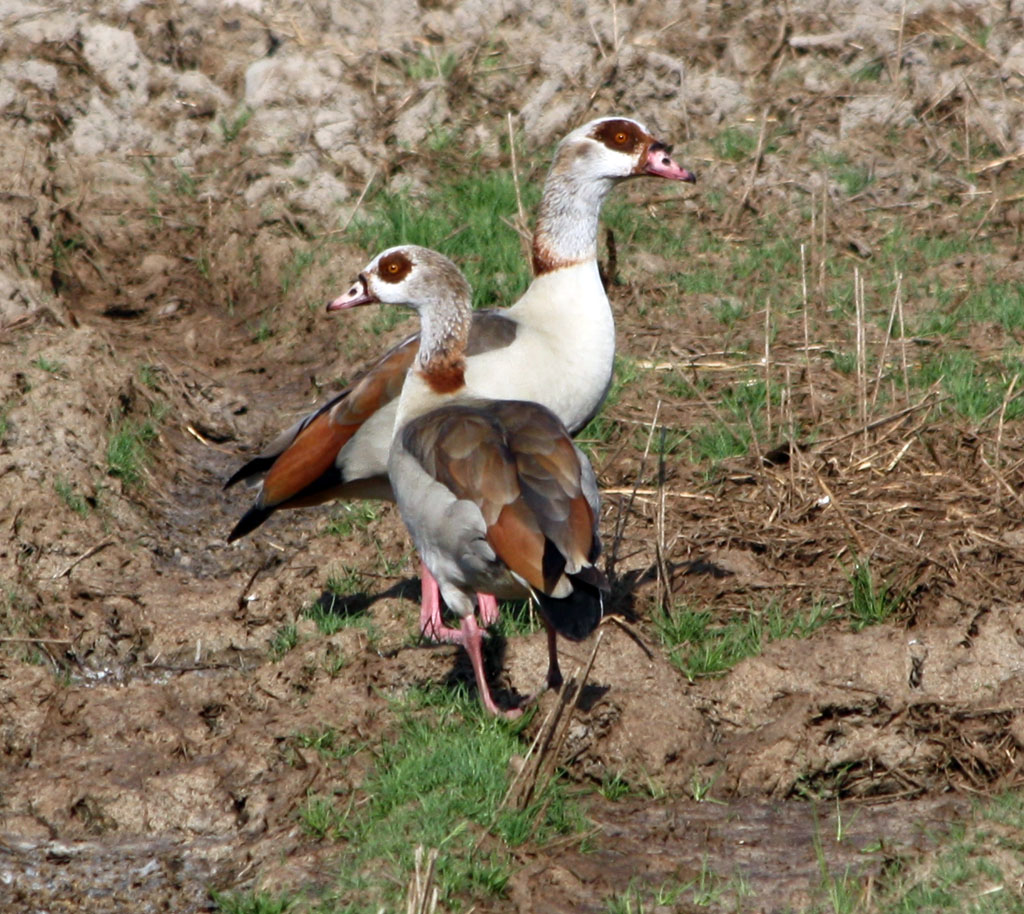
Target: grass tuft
{"type": "Point", "coordinates": [285, 638]}
{"type": "Point", "coordinates": [251, 903]}
{"type": "Point", "coordinates": [128, 450]}
{"type": "Point", "coordinates": [70, 497]}
{"type": "Point", "coordinates": [230, 128]}
{"type": "Point", "coordinates": [700, 645]}
{"type": "Point", "coordinates": [870, 603]}
{"type": "Point", "coordinates": [440, 783]}
{"type": "Point", "coordinates": [347, 518]}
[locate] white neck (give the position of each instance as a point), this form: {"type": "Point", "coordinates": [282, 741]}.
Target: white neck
{"type": "Point", "coordinates": [418, 397]}
{"type": "Point", "coordinates": [438, 374]}
{"type": "Point", "coordinates": [568, 218]}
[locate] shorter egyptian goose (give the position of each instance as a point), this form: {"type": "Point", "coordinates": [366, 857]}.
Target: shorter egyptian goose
{"type": "Point", "coordinates": [496, 496]}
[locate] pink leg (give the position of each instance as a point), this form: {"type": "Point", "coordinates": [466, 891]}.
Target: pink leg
{"type": "Point", "coordinates": [472, 639]}
{"type": "Point", "coordinates": [430, 611]}
{"type": "Point", "coordinates": [488, 607]}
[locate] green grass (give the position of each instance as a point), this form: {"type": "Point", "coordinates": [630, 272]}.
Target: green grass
{"type": "Point", "coordinates": [869, 72]}
{"type": "Point", "coordinates": [438, 783]}
{"type": "Point", "coordinates": [973, 867]}
{"type": "Point", "coordinates": [993, 302]}
{"type": "Point", "coordinates": [293, 271]}
{"type": "Point", "coordinates": [852, 177]}
{"type": "Point", "coordinates": [251, 903]}
{"type": "Point", "coordinates": [285, 638]}
{"type": "Point", "coordinates": [976, 389]}
{"type": "Point", "coordinates": [429, 66]}
{"type": "Point", "coordinates": [517, 618]}
{"type": "Point", "coordinates": [322, 818]}
{"type": "Point", "coordinates": [185, 184]}
{"type": "Point", "coordinates": [128, 450]}
{"type": "Point", "coordinates": [231, 128]}
{"type": "Point", "coordinates": [462, 219]}
{"type": "Point", "coordinates": [51, 367]}
{"type": "Point", "coordinates": [740, 415]}
{"type": "Point", "coordinates": [735, 143]}
{"type": "Point", "coordinates": [614, 787]}
{"type": "Point", "coordinates": [263, 331]}
{"type": "Point", "coordinates": [602, 428]}
{"type": "Point", "coordinates": [70, 497]}
{"type": "Point", "coordinates": [707, 889]}
{"type": "Point", "coordinates": [327, 743]}
{"type": "Point", "coordinates": [700, 644]}
{"type": "Point", "coordinates": [343, 604]}
{"type": "Point", "coordinates": [871, 602]}
{"type": "Point", "coordinates": [148, 376]}
{"type": "Point", "coordinates": [350, 517]}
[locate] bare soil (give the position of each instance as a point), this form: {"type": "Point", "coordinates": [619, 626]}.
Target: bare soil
{"type": "Point", "coordinates": [147, 732]}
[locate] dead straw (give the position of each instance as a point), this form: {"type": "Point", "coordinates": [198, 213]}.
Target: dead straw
{"type": "Point", "coordinates": [544, 751]}
{"type": "Point", "coordinates": [768, 365]}
{"type": "Point", "coordinates": [422, 894]}
{"type": "Point", "coordinates": [806, 309]}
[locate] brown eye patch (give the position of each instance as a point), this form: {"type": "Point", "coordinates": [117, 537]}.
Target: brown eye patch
{"type": "Point", "coordinates": [394, 267]}
{"type": "Point", "coordinates": [620, 135]}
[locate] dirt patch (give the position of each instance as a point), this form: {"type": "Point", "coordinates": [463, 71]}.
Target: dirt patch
{"type": "Point", "coordinates": [180, 187]}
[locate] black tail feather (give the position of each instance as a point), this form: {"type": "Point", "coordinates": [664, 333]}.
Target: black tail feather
{"type": "Point", "coordinates": [250, 521]}
{"type": "Point", "coordinates": [255, 467]}
{"type": "Point", "coordinates": [577, 615]}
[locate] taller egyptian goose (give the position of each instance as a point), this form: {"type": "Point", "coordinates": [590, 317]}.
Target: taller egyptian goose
{"type": "Point", "coordinates": [555, 345]}
{"type": "Point", "coordinates": [495, 495]}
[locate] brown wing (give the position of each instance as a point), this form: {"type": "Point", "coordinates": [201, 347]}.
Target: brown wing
{"type": "Point", "coordinates": [517, 463]}
{"type": "Point", "coordinates": [305, 471]}
{"type": "Point", "coordinates": [549, 473]}
{"type": "Point", "coordinates": [303, 464]}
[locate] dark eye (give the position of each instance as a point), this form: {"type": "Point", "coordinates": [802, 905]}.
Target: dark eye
{"type": "Point", "coordinates": [621, 138]}
{"type": "Point", "coordinates": [392, 267]}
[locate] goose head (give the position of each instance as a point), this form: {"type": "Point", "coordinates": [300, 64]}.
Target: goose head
{"type": "Point", "coordinates": [615, 148]}
{"type": "Point", "coordinates": [408, 275]}
{"type": "Point", "coordinates": [431, 284]}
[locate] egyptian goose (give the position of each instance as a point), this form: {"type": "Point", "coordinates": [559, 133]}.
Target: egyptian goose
{"type": "Point", "coordinates": [495, 495]}
{"type": "Point", "coordinates": [554, 346]}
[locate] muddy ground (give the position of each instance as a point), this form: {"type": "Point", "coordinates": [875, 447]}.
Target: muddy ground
{"type": "Point", "coordinates": [166, 164]}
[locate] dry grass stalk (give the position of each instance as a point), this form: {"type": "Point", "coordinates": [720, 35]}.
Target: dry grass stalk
{"type": "Point", "coordinates": [91, 551]}
{"type": "Point", "coordinates": [885, 345]}
{"type": "Point", "coordinates": [355, 209]}
{"type": "Point", "coordinates": [966, 39]}
{"type": "Point", "coordinates": [755, 166]}
{"type": "Point", "coordinates": [899, 42]}
{"type": "Point", "coordinates": [824, 239]}
{"type": "Point", "coordinates": [807, 334]}
{"type": "Point", "coordinates": [861, 356]}
{"type": "Point", "coordinates": [903, 337]}
{"type": "Point", "coordinates": [620, 520]}
{"type": "Point", "coordinates": [421, 897]}
{"type": "Point", "coordinates": [1002, 415]}
{"type": "Point", "coordinates": [834, 502]}
{"type": "Point", "coordinates": [544, 751]}
{"type": "Point", "coordinates": [515, 172]}
{"type": "Point", "coordinates": [664, 582]}
{"type": "Point", "coordinates": [768, 365]}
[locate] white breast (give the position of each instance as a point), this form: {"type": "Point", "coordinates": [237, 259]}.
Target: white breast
{"type": "Point", "coordinates": [564, 348]}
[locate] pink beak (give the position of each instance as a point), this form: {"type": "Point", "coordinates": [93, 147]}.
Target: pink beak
{"type": "Point", "coordinates": [357, 295]}
{"type": "Point", "coordinates": [662, 165]}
